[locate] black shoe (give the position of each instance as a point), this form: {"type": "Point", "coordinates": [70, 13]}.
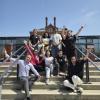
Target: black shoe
{"type": "Point", "coordinates": [30, 89]}
{"type": "Point", "coordinates": [79, 89]}
{"type": "Point", "coordinates": [28, 98]}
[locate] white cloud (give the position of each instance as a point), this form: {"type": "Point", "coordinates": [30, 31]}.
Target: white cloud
{"type": "Point", "coordinates": [90, 14]}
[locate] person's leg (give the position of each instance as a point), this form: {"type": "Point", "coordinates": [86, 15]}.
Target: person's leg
{"type": "Point", "coordinates": [68, 84]}
{"type": "Point", "coordinates": [76, 80]}
{"type": "Point", "coordinates": [51, 69]}
{"type": "Point", "coordinates": [47, 69]}
{"type": "Point", "coordinates": [32, 79]}
{"type": "Point", "coordinates": [54, 51]}
{"type": "Point", "coordinates": [17, 71]}
{"type": "Point", "coordinates": [56, 68]}
{"type": "Point", "coordinates": [65, 67]}
{"type": "Point", "coordinates": [26, 85]}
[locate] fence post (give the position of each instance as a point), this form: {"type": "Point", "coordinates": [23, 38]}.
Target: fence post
{"type": "Point", "coordinates": [87, 66]}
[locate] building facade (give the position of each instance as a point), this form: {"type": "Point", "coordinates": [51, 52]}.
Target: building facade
{"type": "Point", "coordinates": [13, 43]}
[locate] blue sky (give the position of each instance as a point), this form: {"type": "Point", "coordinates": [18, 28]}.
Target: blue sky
{"type": "Point", "coordinates": [18, 17]}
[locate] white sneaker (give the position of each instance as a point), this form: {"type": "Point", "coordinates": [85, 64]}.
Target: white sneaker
{"type": "Point", "coordinates": [47, 81]}
{"type": "Point", "coordinates": [51, 75]}
{"type": "Point", "coordinates": [75, 91]}
{"type": "Point", "coordinates": [80, 89]}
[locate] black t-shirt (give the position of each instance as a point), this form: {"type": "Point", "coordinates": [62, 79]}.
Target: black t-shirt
{"type": "Point", "coordinates": [34, 39]}
{"type": "Point", "coordinates": [69, 43]}
{"type": "Point", "coordinates": [76, 69]}
{"type": "Point", "coordinates": [61, 60]}
{"type": "Point", "coordinates": [69, 48]}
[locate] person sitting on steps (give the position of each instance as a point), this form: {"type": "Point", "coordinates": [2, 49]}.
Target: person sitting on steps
{"type": "Point", "coordinates": [75, 74]}
{"type": "Point", "coordinates": [24, 68]}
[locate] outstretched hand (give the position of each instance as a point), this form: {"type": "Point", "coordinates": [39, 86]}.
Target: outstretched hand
{"type": "Point", "coordinates": [25, 42]}
{"type": "Point", "coordinates": [5, 51]}
{"type": "Point", "coordinates": [39, 77]}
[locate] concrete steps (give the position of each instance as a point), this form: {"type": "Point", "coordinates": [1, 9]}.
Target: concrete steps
{"type": "Point", "coordinates": [48, 94]}
{"type": "Point", "coordinates": [91, 72]}
{"type": "Point", "coordinates": [52, 85]}
{"type": "Point", "coordinates": [92, 78]}
{"type": "Point", "coordinates": [54, 91]}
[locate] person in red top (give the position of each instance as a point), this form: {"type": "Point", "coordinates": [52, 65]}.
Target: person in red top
{"type": "Point", "coordinates": [35, 57]}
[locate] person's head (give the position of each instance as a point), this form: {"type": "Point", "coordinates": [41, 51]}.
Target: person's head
{"type": "Point", "coordinates": [69, 33]}
{"type": "Point", "coordinates": [36, 52]}
{"type": "Point", "coordinates": [46, 34]}
{"type": "Point", "coordinates": [40, 39]}
{"type": "Point", "coordinates": [28, 58]}
{"type": "Point", "coordinates": [41, 49]}
{"type": "Point", "coordinates": [35, 31]}
{"type": "Point", "coordinates": [60, 53]}
{"type": "Point", "coordinates": [73, 60]}
{"type": "Point", "coordinates": [65, 30]}
{"type": "Point", "coordinates": [48, 53]}
{"type": "Point", "coordinates": [31, 33]}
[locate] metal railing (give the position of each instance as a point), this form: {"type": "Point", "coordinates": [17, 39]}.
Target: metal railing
{"type": "Point", "coordinates": [12, 55]}
{"type": "Point", "coordinates": [88, 58]}
{"type": "Point", "coordinates": [87, 65]}
{"type": "Point", "coordinates": [7, 71]}
{"type": "Point", "coordinates": [92, 53]}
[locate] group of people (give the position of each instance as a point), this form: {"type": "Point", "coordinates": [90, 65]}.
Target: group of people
{"type": "Point", "coordinates": [58, 55]}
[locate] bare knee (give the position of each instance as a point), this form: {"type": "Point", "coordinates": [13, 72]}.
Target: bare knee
{"type": "Point", "coordinates": [66, 82]}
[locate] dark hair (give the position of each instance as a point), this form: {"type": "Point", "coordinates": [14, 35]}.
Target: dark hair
{"type": "Point", "coordinates": [66, 29]}
{"type": "Point", "coordinates": [60, 50]}
{"type": "Point", "coordinates": [46, 53]}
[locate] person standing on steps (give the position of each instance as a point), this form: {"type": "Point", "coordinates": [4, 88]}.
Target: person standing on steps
{"type": "Point", "coordinates": [68, 42]}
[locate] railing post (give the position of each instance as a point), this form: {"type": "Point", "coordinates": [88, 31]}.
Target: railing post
{"type": "Point", "coordinates": [87, 72]}
{"type": "Point", "coordinates": [87, 67]}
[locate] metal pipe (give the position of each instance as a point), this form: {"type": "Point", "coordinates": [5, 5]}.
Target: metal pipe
{"type": "Point", "coordinates": [87, 67]}
{"type": "Point", "coordinates": [7, 73]}
{"type": "Point", "coordinates": [11, 66]}
{"type": "Point", "coordinates": [92, 54]}
{"type": "Point", "coordinates": [88, 58]}
{"type": "Point", "coordinates": [11, 55]}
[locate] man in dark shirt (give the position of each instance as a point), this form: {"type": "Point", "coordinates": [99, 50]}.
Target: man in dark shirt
{"type": "Point", "coordinates": [68, 41]}
{"type": "Point", "coordinates": [62, 61]}
{"type": "Point", "coordinates": [75, 73]}
{"type": "Point", "coordinates": [34, 38]}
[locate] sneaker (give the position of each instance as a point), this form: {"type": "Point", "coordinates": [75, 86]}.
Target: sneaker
{"type": "Point", "coordinates": [28, 98]}
{"type": "Point", "coordinates": [80, 90]}
{"type": "Point", "coordinates": [30, 89]}
{"type": "Point", "coordinates": [47, 81]}
{"type": "Point", "coordinates": [75, 91]}
{"type": "Point", "coordinates": [51, 75]}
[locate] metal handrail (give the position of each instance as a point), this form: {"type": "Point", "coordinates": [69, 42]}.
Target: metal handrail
{"type": "Point", "coordinates": [11, 55]}
{"type": "Point", "coordinates": [92, 54]}
{"type": "Point", "coordinates": [88, 58]}
{"type": "Point", "coordinates": [7, 73]}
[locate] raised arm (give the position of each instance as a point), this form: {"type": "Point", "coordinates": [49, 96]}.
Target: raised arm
{"type": "Point", "coordinates": [8, 57]}
{"type": "Point", "coordinates": [79, 30]}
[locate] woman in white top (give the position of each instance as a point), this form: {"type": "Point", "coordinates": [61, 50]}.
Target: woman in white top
{"type": "Point", "coordinates": [48, 65]}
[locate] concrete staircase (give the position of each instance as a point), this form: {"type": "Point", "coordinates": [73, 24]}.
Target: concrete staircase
{"type": "Point", "coordinates": [54, 91]}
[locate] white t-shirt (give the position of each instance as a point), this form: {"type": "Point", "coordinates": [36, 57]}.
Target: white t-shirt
{"type": "Point", "coordinates": [56, 38]}
{"type": "Point", "coordinates": [48, 61]}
